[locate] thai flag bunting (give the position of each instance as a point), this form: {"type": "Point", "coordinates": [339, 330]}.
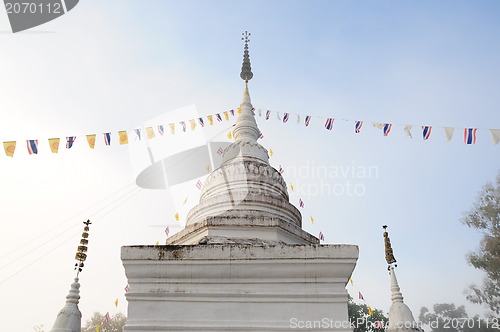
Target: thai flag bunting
{"type": "Point", "coordinates": [137, 133]}
{"type": "Point", "coordinates": [426, 132]}
{"type": "Point", "coordinates": [268, 114]}
{"type": "Point", "coordinates": [470, 135]}
{"type": "Point", "coordinates": [167, 231]}
{"type": "Point", "coordinates": [357, 126]}
{"type": "Point", "coordinates": [281, 170]}
{"type": "Point", "coordinates": [183, 124]}
{"type": "Point", "coordinates": [220, 151]}
{"type": "Point", "coordinates": [201, 122]}
{"type": "Point", "coordinates": [199, 184]}
{"type": "Point", "coordinates": [321, 236]}
{"type": "Point", "coordinates": [253, 110]}
{"type": "Point", "coordinates": [219, 118]}
{"type": "Point", "coordinates": [360, 296]}
{"type": "Point", "coordinates": [69, 141]}
{"type": "Point", "coordinates": [286, 116]}
{"type": "Point", "coordinates": [329, 123]}
{"type": "Point", "coordinates": [301, 203]}
{"type": "Point", "coordinates": [106, 318]}
{"type": "Point", "coordinates": [307, 120]}
{"type": "Point", "coordinates": [107, 138]}
{"type": "Point", "coordinates": [232, 112]}
{"type": "Point", "coordinates": [261, 135]}
{"type": "Point", "coordinates": [32, 146]}
{"type": "Point", "coordinates": [161, 129]}
{"type": "Point", "coordinates": [387, 129]}
{"type": "Point", "coordinates": [127, 288]}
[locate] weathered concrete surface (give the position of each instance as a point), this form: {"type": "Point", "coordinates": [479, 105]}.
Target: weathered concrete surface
{"type": "Point", "coordinates": [69, 319]}
{"type": "Point", "coordinates": [236, 287]}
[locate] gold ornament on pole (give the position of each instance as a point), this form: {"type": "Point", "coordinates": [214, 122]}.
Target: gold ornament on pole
{"type": "Point", "coordinates": [81, 255]}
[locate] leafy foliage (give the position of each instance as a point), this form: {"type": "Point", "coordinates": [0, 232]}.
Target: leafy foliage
{"type": "Point", "coordinates": [485, 216]}
{"type": "Point", "coordinates": [364, 322]}
{"type": "Point", "coordinates": [449, 318]}
{"type": "Point", "coordinates": [114, 325]}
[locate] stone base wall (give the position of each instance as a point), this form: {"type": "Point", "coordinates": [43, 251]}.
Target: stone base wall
{"type": "Point", "coordinates": [238, 287]}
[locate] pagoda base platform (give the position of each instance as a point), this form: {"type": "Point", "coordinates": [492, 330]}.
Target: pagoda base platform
{"type": "Point", "coordinates": [238, 287]}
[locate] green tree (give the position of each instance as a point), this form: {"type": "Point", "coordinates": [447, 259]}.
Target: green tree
{"type": "Point", "coordinates": [449, 318]}
{"type": "Point", "coordinates": [360, 317]}
{"type": "Point", "coordinates": [115, 324]}
{"type": "Point", "coordinates": [485, 216]}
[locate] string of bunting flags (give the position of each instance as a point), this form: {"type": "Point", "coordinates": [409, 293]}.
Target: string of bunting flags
{"type": "Point", "coordinates": [123, 135]}
{"type": "Point", "coordinates": [469, 134]}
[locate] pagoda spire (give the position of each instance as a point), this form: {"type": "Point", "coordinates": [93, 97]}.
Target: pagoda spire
{"type": "Point", "coordinates": [246, 128]}
{"type": "Point", "coordinates": [400, 316]}
{"type": "Point", "coordinates": [246, 70]}
{"type": "Point", "coordinates": [69, 318]}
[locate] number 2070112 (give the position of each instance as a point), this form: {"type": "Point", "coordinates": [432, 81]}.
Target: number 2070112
{"type": "Point", "coordinates": [33, 8]}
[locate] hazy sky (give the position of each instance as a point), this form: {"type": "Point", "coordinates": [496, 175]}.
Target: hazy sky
{"type": "Point", "coordinates": [112, 65]}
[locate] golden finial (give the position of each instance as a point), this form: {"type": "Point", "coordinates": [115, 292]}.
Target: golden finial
{"type": "Point", "coordinates": [389, 256]}
{"type": "Point", "coordinates": [81, 255]}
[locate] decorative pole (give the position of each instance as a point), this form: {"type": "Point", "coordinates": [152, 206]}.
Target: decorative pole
{"type": "Point", "coordinates": [389, 256]}
{"type": "Point", "coordinates": [81, 255]}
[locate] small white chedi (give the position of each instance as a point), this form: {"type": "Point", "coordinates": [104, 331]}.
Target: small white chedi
{"type": "Point", "coordinates": [243, 262]}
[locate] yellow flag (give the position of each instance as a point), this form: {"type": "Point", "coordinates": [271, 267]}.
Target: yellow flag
{"type": "Point", "coordinates": [230, 135]}
{"type": "Point", "coordinates": [157, 243]}
{"type": "Point", "coordinates": [226, 116]}
{"type": "Point", "coordinates": [210, 119]}
{"type": "Point", "coordinates": [193, 124]}
{"type": "Point", "coordinates": [150, 132]}
{"type": "Point", "coordinates": [239, 110]}
{"type": "Point", "coordinates": [185, 201]}
{"type": "Point", "coordinates": [271, 154]}
{"type": "Point", "coordinates": [312, 219]}
{"type": "Point", "coordinates": [370, 311]}
{"type": "Point", "coordinates": [97, 328]}
{"type": "Point", "coordinates": [9, 148]}
{"type": "Point", "coordinates": [208, 168]}
{"type": "Point", "coordinates": [91, 140]}
{"type": "Point", "coordinates": [352, 282]}
{"type": "Point", "coordinates": [54, 144]}
{"type": "Point", "coordinates": [172, 127]}
{"type": "Point", "coordinates": [116, 303]}
{"type": "Point", "coordinates": [292, 187]}
{"type": "Point", "coordinates": [123, 137]}
{"type": "Point", "coordinates": [177, 216]}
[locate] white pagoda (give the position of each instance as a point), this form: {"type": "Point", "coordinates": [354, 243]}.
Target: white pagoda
{"type": "Point", "coordinates": [243, 262]}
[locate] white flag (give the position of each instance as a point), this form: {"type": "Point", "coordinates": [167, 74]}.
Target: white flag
{"type": "Point", "coordinates": [408, 131]}
{"type": "Point", "coordinates": [298, 118]}
{"type": "Point", "coordinates": [379, 125]}
{"type": "Point", "coordinates": [278, 115]}
{"type": "Point", "coordinates": [448, 133]}
{"type": "Point", "coordinates": [495, 135]}
{"type": "Point", "coordinates": [259, 112]}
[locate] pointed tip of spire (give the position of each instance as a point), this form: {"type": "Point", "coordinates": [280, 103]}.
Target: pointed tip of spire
{"type": "Point", "coordinates": [246, 69]}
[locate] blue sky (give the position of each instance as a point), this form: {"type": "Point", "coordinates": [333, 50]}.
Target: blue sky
{"type": "Point", "coordinates": [114, 65]}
